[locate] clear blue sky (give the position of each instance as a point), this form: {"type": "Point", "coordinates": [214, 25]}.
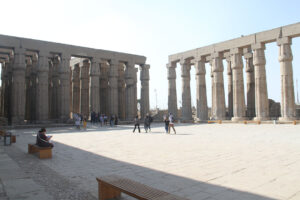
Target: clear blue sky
{"type": "Point", "coordinates": [155, 29]}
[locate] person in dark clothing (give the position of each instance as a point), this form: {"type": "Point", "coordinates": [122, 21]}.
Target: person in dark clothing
{"type": "Point", "coordinates": [166, 120]}
{"type": "Point", "coordinates": [111, 121]}
{"type": "Point", "coordinates": [116, 120]}
{"type": "Point", "coordinates": [136, 123]}
{"type": "Point", "coordinates": [146, 123]}
{"type": "Point", "coordinates": [42, 139]}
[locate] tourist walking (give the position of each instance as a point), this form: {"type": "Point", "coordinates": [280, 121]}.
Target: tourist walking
{"type": "Point", "coordinates": [166, 120]}
{"type": "Point", "coordinates": [116, 120]}
{"type": "Point", "coordinates": [101, 120]}
{"type": "Point", "coordinates": [171, 123]}
{"type": "Point", "coordinates": [84, 123]}
{"type": "Point", "coordinates": [150, 121]}
{"type": "Point", "coordinates": [111, 120]}
{"type": "Point", "coordinates": [105, 120]}
{"type": "Point", "coordinates": [136, 123]}
{"type": "Point", "coordinates": [146, 123]}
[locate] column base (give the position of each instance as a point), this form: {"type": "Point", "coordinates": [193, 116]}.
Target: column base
{"type": "Point", "coordinates": [236, 119]}
{"type": "Point", "coordinates": [286, 119]}
{"type": "Point", "coordinates": [261, 118]}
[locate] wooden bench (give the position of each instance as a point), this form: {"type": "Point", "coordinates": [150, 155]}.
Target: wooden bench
{"type": "Point", "coordinates": [112, 186]}
{"type": "Point", "coordinates": [214, 121]}
{"type": "Point", "coordinates": [44, 152]}
{"type": "Point", "coordinates": [13, 137]}
{"type": "Point", "coordinates": [254, 122]}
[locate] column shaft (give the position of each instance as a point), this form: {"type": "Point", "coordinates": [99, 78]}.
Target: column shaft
{"type": "Point", "coordinates": [238, 85]}
{"type": "Point", "coordinates": [212, 110]}
{"type": "Point", "coordinates": [104, 89]}
{"type": "Point", "coordinates": [230, 88]}
{"type": "Point", "coordinates": [287, 85]}
{"type": "Point", "coordinates": [218, 91]}
{"type": "Point", "coordinates": [129, 91]}
{"type": "Point", "coordinates": [113, 87]}
{"type": "Point", "coordinates": [42, 88]}
{"type": "Point", "coordinates": [94, 87]}
{"type": "Point", "coordinates": [64, 87]}
{"type": "Point", "coordinates": [18, 87]}
{"type": "Point", "coordinates": [186, 110]}
{"type": "Point", "coordinates": [121, 92]}
{"type": "Point", "coordinates": [84, 88]}
{"type": "Point", "coordinates": [202, 111]}
{"type": "Point", "coordinates": [261, 91]}
{"type": "Point", "coordinates": [144, 76]}
{"type": "Point", "coordinates": [76, 89]}
{"type": "Point", "coordinates": [172, 93]}
{"type": "Point", "coordinates": [250, 79]}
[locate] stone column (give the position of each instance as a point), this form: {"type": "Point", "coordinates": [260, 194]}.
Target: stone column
{"type": "Point", "coordinates": [76, 89]}
{"type": "Point", "coordinates": [3, 87]}
{"type": "Point", "coordinates": [239, 111]}
{"type": "Point", "coordinates": [18, 87]}
{"type": "Point", "coordinates": [64, 87]}
{"type": "Point", "coordinates": [9, 86]}
{"type": "Point", "coordinates": [230, 88]}
{"type": "Point", "coordinates": [287, 85]}
{"type": "Point", "coordinates": [144, 77]}
{"type": "Point", "coordinates": [202, 111]}
{"type": "Point", "coordinates": [186, 111]}
{"type": "Point", "coordinates": [250, 79]}
{"type": "Point", "coordinates": [42, 87]}
{"type": "Point", "coordinates": [55, 99]}
{"type": "Point", "coordinates": [129, 91]}
{"type": "Point", "coordinates": [113, 86]}
{"type": "Point", "coordinates": [218, 92]}
{"type": "Point", "coordinates": [172, 94]}
{"type": "Point", "coordinates": [33, 88]}
{"type": "Point", "coordinates": [135, 91]}
{"type": "Point", "coordinates": [104, 88]}
{"type": "Point", "coordinates": [212, 110]}
{"type": "Point", "coordinates": [28, 96]}
{"type": "Point", "coordinates": [84, 88]}
{"type": "Point", "coordinates": [261, 91]}
{"type": "Point", "coordinates": [94, 86]}
{"type": "Point", "coordinates": [121, 91]}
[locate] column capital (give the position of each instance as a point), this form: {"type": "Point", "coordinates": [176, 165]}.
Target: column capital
{"type": "Point", "coordinates": [236, 51]}
{"type": "Point", "coordinates": [285, 51]}
{"type": "Point", "coordinates": [284, 40]}
{"type": "Point", "coordinates": [258, 46]}
{"type": "Point", "coordinates": [216, 55]}
{"type": "Point", "coordinates": [248, 55]}
{"type": "Point", "coordinates": [200, 67]}
{"type": "Point", "coordinates": [236, 59]}
{"type": "Point", "coordinates": [144, 67]}
{"type": "Point", "coordinates": [171, 71]}
{"type": "Point", "coordinates": [94, 68]}
{"type": "Point", "coordinates": [171, 65]}
{"type": "Point", "coordinates": [19, 59]}
{"type": "Point", "coordinates": [185, 69]}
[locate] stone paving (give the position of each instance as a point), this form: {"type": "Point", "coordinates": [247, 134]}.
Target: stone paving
{"type": "Point", "coordinates": [206, 161]}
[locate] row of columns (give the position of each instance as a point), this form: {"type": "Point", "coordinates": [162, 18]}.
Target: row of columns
{"type": "Point", "coordinates": [39, 86]}
{"type": "Point", "coordinates": [257, 94]}
{"type": "Point", "coordinates": [109, 87]}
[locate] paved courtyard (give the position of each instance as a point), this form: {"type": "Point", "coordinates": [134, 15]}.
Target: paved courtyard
{"type": "Point", "coordinates": [206, 161]}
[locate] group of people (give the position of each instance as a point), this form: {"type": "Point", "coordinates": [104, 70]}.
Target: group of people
{"type": "Point", "coordinates": [103, 119]}
{"type": "Point", "coordinates": [147, 123]}
{"type": "Point", "coordinates": [169, 123]}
